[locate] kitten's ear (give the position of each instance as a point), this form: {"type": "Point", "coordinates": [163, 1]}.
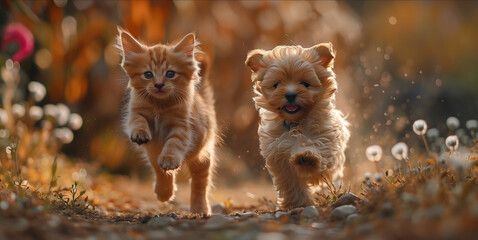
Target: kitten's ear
{"type": "Point", "coordinates": [128, 43]}
{"type": "Point", "coordinates": [186, 45]}
{"type": "Point", "coordinates": [326, 54]}
{"type": "Point", "coordinates": [254, 60]}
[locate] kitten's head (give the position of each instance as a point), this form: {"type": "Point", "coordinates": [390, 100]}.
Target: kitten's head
{"type": "Point", "coordinates": [159, 71]}
{"type": "Point", "coordinates": [292, 81]}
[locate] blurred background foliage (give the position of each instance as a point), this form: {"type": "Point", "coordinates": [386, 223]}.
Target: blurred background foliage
{"type": "Point", "coordinates": [396, 62]}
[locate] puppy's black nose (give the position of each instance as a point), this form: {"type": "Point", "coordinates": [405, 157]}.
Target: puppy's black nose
{"type": "Point", "coordinates": [290, 96]}
{"type": "Point", "coordinates": [159, 86]}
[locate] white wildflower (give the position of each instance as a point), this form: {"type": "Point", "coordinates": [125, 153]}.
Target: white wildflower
{"type": "Point", "coordinates": [35, 113]}
{"type": "Point", "coordinates": [8, 150]}
{"type": "Point", "coordinates": [50, 110]}
{"type": "Point", "coordinates": [367, 176]}
{"type": "Point", "coordinates": [433, 134]}
{"type": "Point", "coordinates": [65, 135]}
{"type": "Point", "coordinates": [472, 124]}
{"type": "Point", "coordinates": [452, 123]}
{"type": "Point", "coordinates": [452, 142]}
{"type": "Point", "coordinates": [400, 151]}
{"type": "Point", "coordinates": [4, 133]}
{"type": "Point", "coordinates": [37, 90]}
{"type": "Point", "coordinates": [18, 110]}
{"type": "Point", "coordinates": [420, 127]}
{"type": "Point", "coordinates": [75, 122]}
{"type": "Point", "coordinates": [374, 153]}
{"type": "Point", "coordinates": [62, 115]}
{"type": "Point", "coordinates": [378, 177]}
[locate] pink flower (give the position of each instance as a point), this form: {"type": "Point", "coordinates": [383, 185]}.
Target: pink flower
{"type": "Point", "coordinates": [17, 32]}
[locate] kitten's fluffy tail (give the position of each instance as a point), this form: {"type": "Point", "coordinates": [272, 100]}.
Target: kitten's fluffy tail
{"type": "Point", "coordinates": [204, 86]}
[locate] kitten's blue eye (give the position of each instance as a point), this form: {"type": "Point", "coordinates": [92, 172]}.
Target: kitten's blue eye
{"type": "Point", "coordinates": [170, 74]}
{"type": "Point", "coordinates": [148, 75]}
{"type": "Point", "coordinates": [305, 84]}
{"type": "Point", "coordinates": [275, 85]}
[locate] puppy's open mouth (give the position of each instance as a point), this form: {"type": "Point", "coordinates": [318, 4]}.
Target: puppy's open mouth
{"type": "Point", "coordinates": [291, 108]}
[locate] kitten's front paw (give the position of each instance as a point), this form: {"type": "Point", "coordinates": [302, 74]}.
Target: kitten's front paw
{"type": "Point", "coordinates": [140, 136]}
{"type": "Point", "coordinates": [169, 162]}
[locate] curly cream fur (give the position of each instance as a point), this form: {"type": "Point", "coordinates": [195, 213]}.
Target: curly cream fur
{"type": "Point", "coordinates": [302, 156]}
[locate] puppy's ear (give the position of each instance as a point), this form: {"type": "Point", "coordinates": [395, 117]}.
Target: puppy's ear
{"type": "Point", "coordinates": [326, 54]}
{"type": "Point", "coordinates": [254, 60]}
{"type": "Point", "coordinates": [186, 45]}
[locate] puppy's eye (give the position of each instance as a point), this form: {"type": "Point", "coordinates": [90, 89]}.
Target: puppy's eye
{"type": "Point", "coordinates": [275, 85]}
{"type": "Point", "coordinates": [170, 74]}
{"type": "Point", "coordinates": [148, 75]}
{"type": "Point", "coordinates": [305, 84]}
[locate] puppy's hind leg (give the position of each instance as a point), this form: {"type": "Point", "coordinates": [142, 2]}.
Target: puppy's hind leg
{"type": "Point", "coordinates": [292, 189]}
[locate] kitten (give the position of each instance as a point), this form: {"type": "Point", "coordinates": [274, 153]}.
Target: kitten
{"type": "Point", "coordinates": [170, 113]}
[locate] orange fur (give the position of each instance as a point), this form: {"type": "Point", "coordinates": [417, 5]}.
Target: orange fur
{"type": "Point", "coordinates": [295, 88]}
{"type": "Point", "coordinates": [171, 118]}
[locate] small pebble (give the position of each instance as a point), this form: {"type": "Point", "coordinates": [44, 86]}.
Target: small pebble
{"type": "Point", "coordinates": [280, 214]}
{"type": "Point", "coordinates": [246, 214]}
{"type": "Point", "coordinates": [271, 236]}
{"type": "Point", "coordinates": [352, 218]}
{"type": "Point", "coordinates": [310, 212]}
{"type": "Point", "coordinates": [218, 208]}
{"type": "Point", "coordinates": [215, 222]}
{"type": "Point", "coordinates": [342, 212]}
{"type": "Point", "coordinates": [160, 221]}
{"type": "Point", "coordinates": [346, 199]}
{"type": "Point", "coordinates": [266, 216]}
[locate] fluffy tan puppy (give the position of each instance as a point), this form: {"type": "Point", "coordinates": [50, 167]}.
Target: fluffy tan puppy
{"type": "Point", "coordinates": [302, 135]}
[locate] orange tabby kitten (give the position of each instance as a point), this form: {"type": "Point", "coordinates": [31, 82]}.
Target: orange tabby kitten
{"type": "Point", "coordinates": [171, 113]}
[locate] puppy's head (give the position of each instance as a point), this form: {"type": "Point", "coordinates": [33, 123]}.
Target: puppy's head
{"type": "Point", "coordinates": [292, 81]}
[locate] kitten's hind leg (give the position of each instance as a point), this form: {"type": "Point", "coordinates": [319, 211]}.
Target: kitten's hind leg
{"type": "Point", "coordinates": [200, 169]}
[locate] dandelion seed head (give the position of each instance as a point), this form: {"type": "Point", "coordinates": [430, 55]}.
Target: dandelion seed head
{"type": "Point", "coordinates": [377, 177]}
{"type": "Point", "coordinates": [3, 117]}
{"type": "Point", "coordinates": [4, 205]}
{"type": "Point", "coordinates": [452, 123]}
{"type": "Point", "coordinates": [18, 110]}
{"type": "Point", "coordinates": [374, 153]}
{"type": "Point", "coordinates": [50, 110]}
{"type": "Point", "coordinates": [433, 134]}
{"type": "Point", "coordinates": [367, 176]}
{"type": "Point", "coordinates": [400, 151]}
{"type": "Point", "coordinates": [65, 135]}
{"type": "Point", "coordinates": [452, 142]}
{"type": "Point", "coordinates": [420, 127]}
{"type": "Point", "coordinates": [75, 122]}
{"type": "Point", "coordinates": [35, 113]}
{"type": "Point", "coordinates": [38, 90]}
{"type": "Point", "coordinates": [63, 114]}
{"type": "Point", "coordinates": [472, 124]}
{"type": "Point", "coordinates": [4, 133]}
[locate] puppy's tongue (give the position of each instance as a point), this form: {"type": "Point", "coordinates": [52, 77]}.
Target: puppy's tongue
{"type": "Point", "coordinates": [291, 108]}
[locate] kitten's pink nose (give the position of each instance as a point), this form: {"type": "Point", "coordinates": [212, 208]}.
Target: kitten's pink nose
{"type": "Point", "coordinates": [159, 86]}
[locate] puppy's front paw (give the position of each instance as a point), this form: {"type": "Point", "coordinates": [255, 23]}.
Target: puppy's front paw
{"type": "Point", "coordinates": [169, 162]}
{"type": "Point", "coordinates": [140, 136]}
{"type": "Point", "coordinates": [306, 161]}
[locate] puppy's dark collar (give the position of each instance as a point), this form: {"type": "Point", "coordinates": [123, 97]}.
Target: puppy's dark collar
{"type": "Point", "coordinates": [290, 125]}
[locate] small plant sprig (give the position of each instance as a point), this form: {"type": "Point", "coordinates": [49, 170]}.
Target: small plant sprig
{"type": "Point", "coordinates": [74, 202]}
